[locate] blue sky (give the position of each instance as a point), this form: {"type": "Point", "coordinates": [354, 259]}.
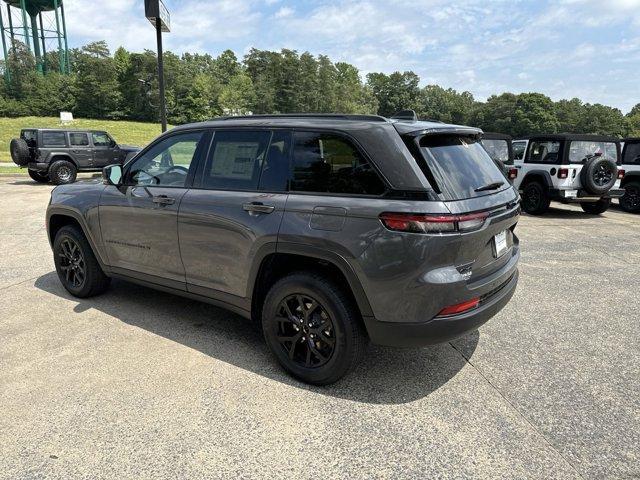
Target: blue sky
{"type": "Point", "coordinates": [566, 48]}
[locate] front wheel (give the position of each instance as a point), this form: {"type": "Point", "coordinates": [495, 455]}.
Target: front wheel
{"type": "Point", "coordinates": [630, 201]}
{"type": "Point", "coordinates": [40, 177]}
{"type": "Point", "coordinates": [76, 265]}
{"type": "Point", "coordinates": [596, 208]}
{"type": "Point", "coordinates": [535, 199]}
{"type": "Point", "coordinates": [312, 328]}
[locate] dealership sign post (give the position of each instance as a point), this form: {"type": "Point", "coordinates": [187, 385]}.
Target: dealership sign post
{"type": "Point", "coordinates": [158, 15]}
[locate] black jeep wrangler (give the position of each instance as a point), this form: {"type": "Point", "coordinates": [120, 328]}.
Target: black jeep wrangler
{"type": "Point", "coordinates": [57, 155]}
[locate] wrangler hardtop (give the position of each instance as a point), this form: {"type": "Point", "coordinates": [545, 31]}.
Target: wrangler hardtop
{"type": "Point", "coordinates": [58, 154]}
{"type": "Point", "coordinates": [569, 168]}
{"type": "Point", "coordinates": [630, 172]}
{"type": "Point", "coordinates": [330, 231]}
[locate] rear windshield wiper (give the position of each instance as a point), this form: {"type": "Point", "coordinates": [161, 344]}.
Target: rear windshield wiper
{"type": "Point", "coordinates": [489, 186]}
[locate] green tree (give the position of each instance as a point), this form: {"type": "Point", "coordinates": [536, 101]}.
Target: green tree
{"type": "Point", "coordinates": [445, 105]}
{"type": "Point", "coordinates": [534, 113]}
{"type": "Point", "coordinates": [98, 93]}
{"type": "Point", "coordinates": [395, 92]}
{"type": "Point", "coordinates": [238, 96]}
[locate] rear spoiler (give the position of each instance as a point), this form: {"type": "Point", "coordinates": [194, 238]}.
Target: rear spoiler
{"type": "Point", "coordinates": [448, 130]}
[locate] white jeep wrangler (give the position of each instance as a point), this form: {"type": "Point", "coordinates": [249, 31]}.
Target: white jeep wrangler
{"type": "Point", "coordinates": [568, 168]}
{"type": "Point", "coordinates": [630, 168]}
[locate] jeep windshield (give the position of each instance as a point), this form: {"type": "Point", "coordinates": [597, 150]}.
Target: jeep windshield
{"type": "Point", "coordinates": [580, 151]}
{"type": "Point", "coordinates": [460, 167]}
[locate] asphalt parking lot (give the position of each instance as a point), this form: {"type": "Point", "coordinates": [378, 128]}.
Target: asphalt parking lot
{"type": "Point", "coordinates": [142, 384]}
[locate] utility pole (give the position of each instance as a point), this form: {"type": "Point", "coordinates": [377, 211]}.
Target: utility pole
{"type": "Point", "coordinates": [158, 15]}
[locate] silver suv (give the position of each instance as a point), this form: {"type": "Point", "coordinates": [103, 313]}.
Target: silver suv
{"type": "Point", "coordinates": [328, 230]}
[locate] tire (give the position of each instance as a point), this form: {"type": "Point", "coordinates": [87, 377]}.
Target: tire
{"type": "Point", "coordinates": [20, 151]}
{"type": "Point", "coordinates": [535, 199]}
{"type": "Point", "coordinates": [40, 177]}
{"type": "Point", "coordinates": [599, 175]}
{"type": "Point", "coordinates": [71, 249]}
{"type": "Point", "coordinates": [596, 208]}
{"type": "Point", "coordinates": [630, 201]}
{"type": "Point", "coordinates": [334, 323]}
{"type": "Point", "coordinates": [62, 171]}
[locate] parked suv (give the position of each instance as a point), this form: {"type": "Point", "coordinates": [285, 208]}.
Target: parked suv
{"type": "Point", "coordinates": [57, 155]}
{"type": "Point", "coordinates": [329, 230]}
{"type": "Point", "coordinates": [568, 168]}
{"type": "Point", "coordinates": [630, 168]}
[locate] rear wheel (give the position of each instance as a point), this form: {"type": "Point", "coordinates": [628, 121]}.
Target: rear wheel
{"type": "Point", "coordinates": [312, 328]}
{"type": "Point", "coordinates": [62, 171]}
{"type": "Point", "coordinates": [596, 208]}
{"type": "Point", "coordinates": [630, 202]}
{"type": "Point", "coordinates": [535, 199]}
{"type": "Point", "coordinates": [76, 265]}
{"type": "Point", "coordinates": [40, 177]}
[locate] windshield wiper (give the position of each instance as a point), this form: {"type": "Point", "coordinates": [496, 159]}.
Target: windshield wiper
{"type": "Point", "coordinates": [489, 186]}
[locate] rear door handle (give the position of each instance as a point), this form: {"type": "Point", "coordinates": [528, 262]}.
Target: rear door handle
{"type": "Point", "coordinates": [257, 207]}
{"type": "Point", "coordinates": [163, 200]}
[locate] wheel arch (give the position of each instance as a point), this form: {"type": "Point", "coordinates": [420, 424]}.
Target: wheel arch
{"type": "Point", "coordinates": [60, 217]}
{"type": "Point", "coordinates": [273, 264]}
{"type": "Point", "coordinates": [56, 156]}
{"type": "Point", "coordinates": [630, 177]}
{"type": "Point", "coordinates": [541, 176]}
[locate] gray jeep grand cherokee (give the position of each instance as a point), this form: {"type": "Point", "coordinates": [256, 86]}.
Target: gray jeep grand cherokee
{"type": "Point", "coordinates": [329, 230]}
{"type": "Point", "coordinates": [57, 155]}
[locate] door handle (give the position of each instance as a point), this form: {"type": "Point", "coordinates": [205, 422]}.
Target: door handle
{"type": "Point", "coordinates": [257, 207]}
{"type": "Point", "coordinates": [163, 200]}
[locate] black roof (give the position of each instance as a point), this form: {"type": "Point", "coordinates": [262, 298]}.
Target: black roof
{"type": "Point", "coordinates": [571, 136]}
{"type": "Point", "coordinates": [331, 120]}
{"type": "Point", "coordinates": [496, 136]}
{"type": "Point", "coordinates": [631, 140]}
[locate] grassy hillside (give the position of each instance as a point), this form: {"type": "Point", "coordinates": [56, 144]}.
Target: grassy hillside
{"type": "Point", "coordinates": [129, 133]}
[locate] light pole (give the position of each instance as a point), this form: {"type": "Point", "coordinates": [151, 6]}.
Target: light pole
{"type": "Point", "coordinates": [158, 15]}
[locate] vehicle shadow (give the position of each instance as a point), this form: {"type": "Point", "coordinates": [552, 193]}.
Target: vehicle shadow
{"type": "Point", "coordinates": [560, 213]}
{"type": "Point", "coordinates": [386, 376]}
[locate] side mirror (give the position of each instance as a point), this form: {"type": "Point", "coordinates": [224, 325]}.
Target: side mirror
{"type": "Point", "coordinates": [112, 175]}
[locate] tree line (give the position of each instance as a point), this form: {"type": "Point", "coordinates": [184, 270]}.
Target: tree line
{"type": "Point", "coordinates": [123, 85]}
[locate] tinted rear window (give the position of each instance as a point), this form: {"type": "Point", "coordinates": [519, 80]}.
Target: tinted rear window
{"type": "Point", "coordinates": [460, 165]}
{"type": "Point", "coordinates": [54, 139]}
{"type": "Point", "coordinates": [632, 153]}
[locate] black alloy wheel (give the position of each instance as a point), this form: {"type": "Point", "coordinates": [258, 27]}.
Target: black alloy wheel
{"type": "Point", "coordinates": [305, 331]}
{"type": "Point", "coordinates": [602, 175]}
{"type": "Point", "coordinates": [630, 201]}
{"type": "Point", "coordinates": [72, 263]}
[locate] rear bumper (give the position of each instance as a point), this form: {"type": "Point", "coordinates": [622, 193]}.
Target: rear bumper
{"type": "Point", "coordinates": [583, 195]}
{"type": "Point", "coordinates": [440, 329]}
{"type": "Point", "coordinates": [38, 166]}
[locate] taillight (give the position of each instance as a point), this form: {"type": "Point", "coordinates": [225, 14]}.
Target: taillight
{"type": "Point", "coordinates": [563, 173]}
{"type": "Point", "coordinates": [621, 174]}
{"type": "Point", "coordinates": [460, 307]}
{"type": "Point", "coordinates": [424, 223]}
{"type": "Point", "coordinates": [513, 173]}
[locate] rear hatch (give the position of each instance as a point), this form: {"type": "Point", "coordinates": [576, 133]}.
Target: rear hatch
{"type": "Point", "coordinates": [469, 183]}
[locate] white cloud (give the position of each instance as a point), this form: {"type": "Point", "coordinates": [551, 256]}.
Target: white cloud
{"type": "Point", "coordinates": [284, 12]}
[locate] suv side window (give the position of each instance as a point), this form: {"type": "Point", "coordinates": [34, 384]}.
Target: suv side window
{"type": "Point", "coordinates": [632, 153]}
{"type": "Point", "coordinates": [328, 163]}
{"type": "Point", "coordinates": [167, 163]}
{"type": "Point", "coordinates": [101, 139]}
{"type": "Point", "coordinates": [518, 150]}
{"type": "Point", "coordinates": [54, 139]}
{"type": "Point", "coordinates": [544, 151]}
{"type": "Point", "coordinates": [78, 139]}
{"type": "Point", "coordinates": [235, 160]}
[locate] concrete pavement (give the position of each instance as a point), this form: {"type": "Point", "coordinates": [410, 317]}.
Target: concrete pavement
{"type": "Point", "coordinates": [141, 384]}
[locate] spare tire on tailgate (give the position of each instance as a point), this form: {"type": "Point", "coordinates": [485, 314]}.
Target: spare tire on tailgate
{"type": "Point", "coordinates": [598, 175]}
{"type": "Point", "coordinates": [20, 151]}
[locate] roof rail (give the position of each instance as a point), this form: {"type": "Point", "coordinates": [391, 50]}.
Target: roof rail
{"type": "Point", "coordinates": [335, 116]}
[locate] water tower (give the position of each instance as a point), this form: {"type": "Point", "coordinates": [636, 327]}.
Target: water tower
{"type": "Point", "coordinates": [40, 25]}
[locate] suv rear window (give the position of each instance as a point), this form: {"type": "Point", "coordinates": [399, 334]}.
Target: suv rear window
{"type": "Point", "coordinates": [579, 151]}
{"type": "Point", "coordinates": [460, 165]}
{"type": "Point", "coordinates": [632, 153]}
{"type": "Point", "coordinates": [54, 139]}
{"type": "Point", "coordinates": [328, 163]}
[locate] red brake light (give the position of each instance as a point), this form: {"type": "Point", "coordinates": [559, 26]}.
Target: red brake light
{"type": "Point", "coordinates": [513, 173]}
{"type": "Point", "coordinates": [621, 174]}
{"type": "Point", "coordinates": [460, 307]}
{"type": "Point", "coordinates": [425, 223]}
{"type": "Point", "coordinates": [563, 172]}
